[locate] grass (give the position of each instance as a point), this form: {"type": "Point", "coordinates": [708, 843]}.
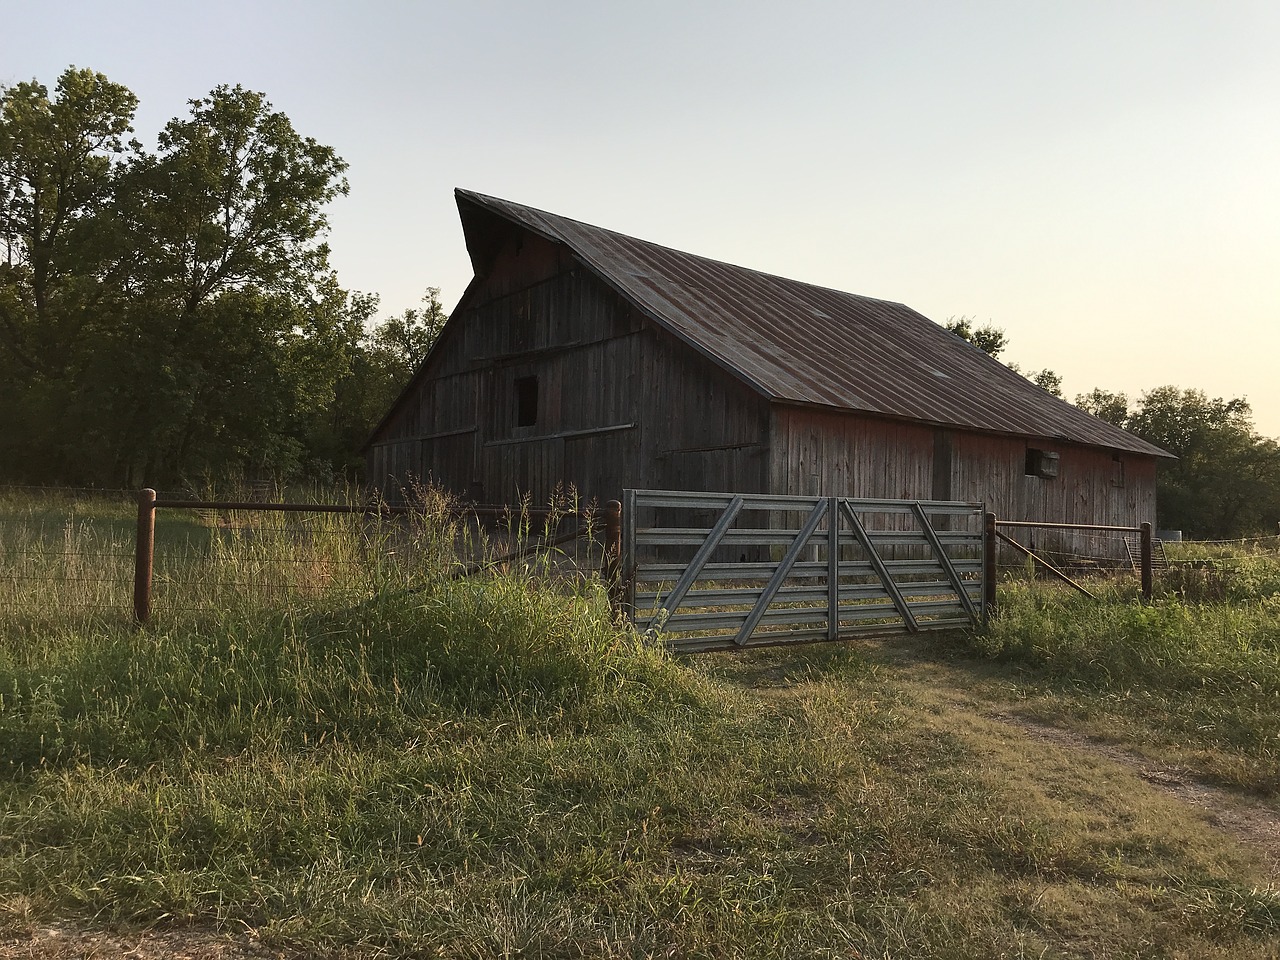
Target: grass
{"type": "Point", "coordinates": [404, 763]}
{"type": "Point", "coordinates": [1195, 675]}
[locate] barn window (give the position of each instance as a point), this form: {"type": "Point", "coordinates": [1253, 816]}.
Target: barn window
{"type": "Point", "coordinates": [1117, 470]}
{"type": "Point", "coordinates": [1041, 463]}
{"type": "Point", "coordinates": [526, 401]}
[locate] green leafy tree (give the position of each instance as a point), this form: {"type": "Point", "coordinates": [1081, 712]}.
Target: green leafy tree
{"type": "Point", "coordinates": [405, 340]}
{"type": "Point", "coordinates": [381, 357]}
{"type": "Point", "coordinates": [60, 160]}
{"type": "Point", "coordinates": [992, 341]}
{"type": "Point", "coordinates": [1105, 405]}
{"type": "Point", "coordinates": [989, 339]}
{"type": "Point", "coordinates": [1226, 481]}
{"type": "Point", "coordinates": [230, 211]}
{"type": "Point", "coordinates": [154, 307]}
{"type": "Point", "coordinates": [62, 277]}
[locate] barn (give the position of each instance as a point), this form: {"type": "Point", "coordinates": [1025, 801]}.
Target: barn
{"type": "Point", "coordinates": [580, 357]}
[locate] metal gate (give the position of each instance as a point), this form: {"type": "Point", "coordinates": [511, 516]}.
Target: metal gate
{"type": "Point", "coordinates": [708, 571]}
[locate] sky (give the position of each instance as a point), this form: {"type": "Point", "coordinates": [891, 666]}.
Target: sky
{"type": "Point", "coordinates": [1101, 180]}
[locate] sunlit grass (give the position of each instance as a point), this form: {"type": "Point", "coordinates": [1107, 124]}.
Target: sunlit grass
{"type": "Point", "coordinates": [1197, 670]}
{"type": "Point", "coordinates": [396, 760]}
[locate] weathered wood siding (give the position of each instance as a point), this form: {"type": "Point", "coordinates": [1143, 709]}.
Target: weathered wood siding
{"type": "Point", "coordinates": [1093, 486]}
{"type": "Point", "coordinates": [702, 429]}
{"type": "Point", "coordinates": [620, 403]}
{"type": "Point", "coordinates": [817, 452]}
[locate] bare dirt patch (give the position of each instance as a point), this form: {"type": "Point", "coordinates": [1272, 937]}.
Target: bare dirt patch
{"type": "Point", "coordinates": [1253, 823]}
{"type": "Point", "coordinates": [65, 942]}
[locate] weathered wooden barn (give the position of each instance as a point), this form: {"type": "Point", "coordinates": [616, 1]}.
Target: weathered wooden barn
{"type": "Point", "coordinates": [581, 357]}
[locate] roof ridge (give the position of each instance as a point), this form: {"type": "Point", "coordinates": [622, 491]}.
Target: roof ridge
{"type": "Point", "coordinates": [492, 203]}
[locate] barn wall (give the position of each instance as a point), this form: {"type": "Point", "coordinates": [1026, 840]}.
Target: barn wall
{"type": "Point", "coordinates": [823, 453]}
{"type": "Point", "coordinates": [701, 428]}
{"type": "Point", "coordinates": [817, 452]}
{"type": "Point", "coordinates": [537, 315]}
{"type": "Point", "coordinates": [1093, 486]}
{"type": "Point", "coordinates": [619, 402]}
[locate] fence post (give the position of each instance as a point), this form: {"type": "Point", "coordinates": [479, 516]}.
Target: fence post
{"type": "Point", "coordinates": [1147, 578]}
{"type": "Point", "coordinates": [144, 555]}
{"type": "Point", "coordinates": [988, 568]}
{"type": "Point", "coordinates": [613, 553]}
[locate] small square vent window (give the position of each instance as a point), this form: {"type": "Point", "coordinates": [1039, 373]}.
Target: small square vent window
{"type": "Point", "coordinates": [526, 401]}
{"type": "Point", "coordinates": [1041, 463]}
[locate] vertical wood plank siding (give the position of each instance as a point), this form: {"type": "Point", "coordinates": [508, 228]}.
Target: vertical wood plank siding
{"type": "Point", "coordinates": [666, 417]}
{"type": "Point", "coordinates": [840, 454]}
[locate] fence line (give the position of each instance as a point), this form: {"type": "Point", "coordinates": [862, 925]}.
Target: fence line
{"type": "Point", "coordinates": [149, 503]}
{"type": "Point", "coordinates": [59, 560]}
{"type": "Point", "coordinates": [993, 525]}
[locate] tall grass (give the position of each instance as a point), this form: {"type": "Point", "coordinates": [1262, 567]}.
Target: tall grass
{"type": "Point", "coordinates": [404, 762]}
{"type": "Point", "coordinates": [1199, 667]}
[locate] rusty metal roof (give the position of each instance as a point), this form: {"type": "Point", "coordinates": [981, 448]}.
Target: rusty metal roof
{"type": "Point", "coordinates": [799, 343]}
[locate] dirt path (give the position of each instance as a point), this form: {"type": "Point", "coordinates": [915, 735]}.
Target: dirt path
{"type": "Point", "coordinates": [1256, 825]}
{"type": "Point", "coordinates": [1252, 823]}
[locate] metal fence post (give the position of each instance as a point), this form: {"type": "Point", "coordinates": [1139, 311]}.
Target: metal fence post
{"type": "Point", "coordinates": [989, 569]}
{"type": "Point", "coordinates": [1148, 584]}
{"type": "Point", "coordinates": [144, 555]}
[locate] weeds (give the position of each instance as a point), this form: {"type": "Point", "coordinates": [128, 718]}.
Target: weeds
{"type": "Point", "coordinates": [407, 762]}
{"type": "Point", "coordinates": [1197, 670]}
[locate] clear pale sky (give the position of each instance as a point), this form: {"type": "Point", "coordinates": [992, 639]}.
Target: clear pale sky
{"type": "Point", "coordinates": [1099, 179]}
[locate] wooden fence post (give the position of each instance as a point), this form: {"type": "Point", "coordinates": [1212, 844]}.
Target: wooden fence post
{"type": "Point", "coordinates": [613, 554]}
{"type": "Point", "coordinates": [989, 546]}
{"type": "Point", "coordinates": [1148, 584]}
{"type": "Point", "coordinates": [144, 556]}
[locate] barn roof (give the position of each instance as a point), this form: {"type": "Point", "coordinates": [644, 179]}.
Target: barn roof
{"type": "Point", "coordinates": [799, 343]}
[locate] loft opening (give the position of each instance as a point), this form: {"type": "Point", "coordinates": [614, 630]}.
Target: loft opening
{"type": "Point", "coordinates": [1041, 463]}
{"type": "Point", "coordinates": [526, 401]}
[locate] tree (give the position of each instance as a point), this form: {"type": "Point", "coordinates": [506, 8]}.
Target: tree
{"type": "Point", "coordinates": [1105, 405]}
{"type": "Point", "coordinates": [403, 342]}
{"type": "Point", "coordinates": [1226, 481]}
{"type": "Point", "coordinates": [153, 306]}
{"type": "Point", "coordinates": [235, 197]}
{"type": "Point", "coordinates": [992, 341]}
{"type": "Point", "coordinates": [1045, 379]}
{"type": "Point", "coordinates": [231, 208]}
{"type": "Point", "coordinates": [60, 160]}
{"type": "Point", "coordinates": [63, 263]}
{"type": "Point", "coordinates": [380, 359]}
{"type": "Point", "coordinates": [989, 339]}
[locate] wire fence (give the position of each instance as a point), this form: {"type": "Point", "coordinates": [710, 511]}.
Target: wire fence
{"type": "Point", "coordinates": [70, 555]}
{"type": "Point", "coordinates": [1103, 553]}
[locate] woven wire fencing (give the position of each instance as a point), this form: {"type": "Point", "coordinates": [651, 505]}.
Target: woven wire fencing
{"type": "Point", "coordinates": [68, 556]}
{"type": "Point", "coordinates": [65, 554]}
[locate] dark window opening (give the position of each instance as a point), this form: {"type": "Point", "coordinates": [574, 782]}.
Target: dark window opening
{"type": "Point", "coordinates": [526, 401]}
{"type": "Point", "coordinates": [1041, 463]}
{"type": "Point", "coordinates": [1117, 470]}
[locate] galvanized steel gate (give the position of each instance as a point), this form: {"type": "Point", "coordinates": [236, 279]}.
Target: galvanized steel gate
{"type": "Point", "coordinates": [719, 570]}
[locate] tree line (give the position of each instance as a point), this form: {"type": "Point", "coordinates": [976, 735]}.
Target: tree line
{"type": "Point", "coordinates": [171, 311]}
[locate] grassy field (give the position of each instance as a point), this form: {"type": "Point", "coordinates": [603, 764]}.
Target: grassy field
{"type": "Point", "coordinates": [389, 760]}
